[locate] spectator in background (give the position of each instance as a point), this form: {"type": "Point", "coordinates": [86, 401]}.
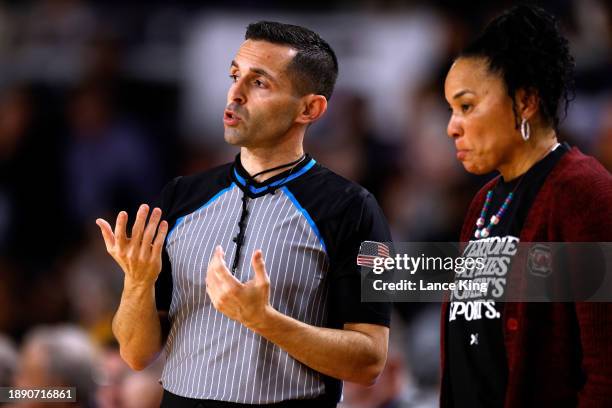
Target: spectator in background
{"type": "Point", "coordinates": [389, 390]}
{"type": "Point", "coordinates": [8, 361]}
{"type": "Point", "coordinates": [15, 120]}
{"type": "Point", "coordinates": [411, 376]}
{"type": "Point", "coordinates": [142, 389]}
{"type": "Point", "coordinates": [108, 160]}
{"type": "Point", "coordinates": [603, 145]}
{"type": "Point", "coordinates": [120, 387]}
{"type": "Point", "coordinates": [52, 36]}
{"type": "Point", "coordinates": [58, 356]}
{"type": "Point", "coordinates": [93, 286]}
{"type": "Point", "coordinates": [113, 371]}
{"type": "Point", "coordinates": [351, 147]}
{"type": "Point", "coordinates": [29, 175]}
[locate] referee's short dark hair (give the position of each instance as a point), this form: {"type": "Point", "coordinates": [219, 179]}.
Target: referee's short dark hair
{"type": "Point", "coordinates": [314, 68]}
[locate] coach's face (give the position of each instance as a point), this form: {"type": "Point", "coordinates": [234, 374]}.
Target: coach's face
{"type": "Point", "coordinates": [262, 104]}
{"type": "Point", "coordinates": [482, 121]}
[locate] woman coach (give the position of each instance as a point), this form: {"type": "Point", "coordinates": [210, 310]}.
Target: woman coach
{"type": "Point", "coordinates": [505, 91]}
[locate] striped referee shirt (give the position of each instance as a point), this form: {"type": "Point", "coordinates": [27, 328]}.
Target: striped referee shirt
{"type": "Point", "coordinates": [309, 223]}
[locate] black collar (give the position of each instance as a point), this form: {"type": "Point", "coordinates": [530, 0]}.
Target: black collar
{"type": "Point", "coordinates": [255, 189]}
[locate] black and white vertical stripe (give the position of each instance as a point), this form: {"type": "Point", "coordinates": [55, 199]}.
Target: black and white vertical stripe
{"type": "Point", "coordinates": [210, 356]}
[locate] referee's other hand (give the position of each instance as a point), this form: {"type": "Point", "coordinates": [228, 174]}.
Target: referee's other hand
{"type": "Point", "coordinates": [245, 302]}
{"type": "Point", "coordinates": [140, 254]}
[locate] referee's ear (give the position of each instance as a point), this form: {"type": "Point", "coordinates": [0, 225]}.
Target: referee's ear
{"type": "Point", "coordinates": [313, 107]}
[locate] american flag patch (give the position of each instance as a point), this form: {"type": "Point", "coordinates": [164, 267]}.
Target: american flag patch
{"type": "Point", "coordinates": [370, 250]}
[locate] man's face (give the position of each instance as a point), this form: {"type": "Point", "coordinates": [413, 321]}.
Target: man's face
{"type": "Point", "coordinates": [261, 102]}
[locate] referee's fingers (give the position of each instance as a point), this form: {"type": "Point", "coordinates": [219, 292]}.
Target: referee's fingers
{"type": "Point", "coordinates": [158, 243]}
{"type": "Point", "coordinates": [139, 224]}
{"type": "Point", "coordinates": [218, 255]}
{"type": "Point", "coordinates": [216, 263]}
{"type": "Point", "coordinates": [120, 236]}
{"type": "Point", "coordinates": [107, 233]}
{"type": "Point", "coordinates": [258, 264]}
{"type": "Point", "coordinates": [221, 272]}
{"type": "Point", "coordinates": [213, 286]}
{"type": "Point", "coordinates": [149, 232]}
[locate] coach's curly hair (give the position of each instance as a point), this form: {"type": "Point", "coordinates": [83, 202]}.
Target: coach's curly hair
{"type": "Point", "coordinates": [524, 45]}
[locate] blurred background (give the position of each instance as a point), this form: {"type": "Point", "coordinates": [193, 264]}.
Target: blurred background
{"type": "Point", "coordinates": [102, 102]}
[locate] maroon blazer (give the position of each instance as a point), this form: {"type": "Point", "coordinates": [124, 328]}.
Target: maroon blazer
{"type": "Point", "coordinates": [559, 354]}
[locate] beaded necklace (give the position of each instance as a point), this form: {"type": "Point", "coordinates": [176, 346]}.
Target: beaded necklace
{"type": "Point", "coordinates": [496, 218]}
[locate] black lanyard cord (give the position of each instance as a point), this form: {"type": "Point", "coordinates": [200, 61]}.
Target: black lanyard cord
{"type": "Point", "coordinates": [240, 238]}
{"type": "Point", "coordinates": [282, 166]}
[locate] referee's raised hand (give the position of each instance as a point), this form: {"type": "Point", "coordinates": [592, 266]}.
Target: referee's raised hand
{"type": "Point", "coordinates": [140, 254]}
{"type": "Point", "coordinates": [136, 325]}
{"type": "Point", "coordinates": [243, 302]}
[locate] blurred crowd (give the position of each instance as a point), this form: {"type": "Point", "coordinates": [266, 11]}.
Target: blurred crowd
{"type": "Point", "coordinates": [100, 106]}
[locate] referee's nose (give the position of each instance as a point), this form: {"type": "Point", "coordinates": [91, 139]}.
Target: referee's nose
{"type": "Point", "coordinates": [236, 93]}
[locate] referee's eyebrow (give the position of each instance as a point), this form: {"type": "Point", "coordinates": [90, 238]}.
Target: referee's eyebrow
{"type": "Point", "coordinates": [258, 71]}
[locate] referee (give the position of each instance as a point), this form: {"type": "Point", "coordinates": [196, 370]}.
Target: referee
{"type": "Point", "coordinates": [258, 298]}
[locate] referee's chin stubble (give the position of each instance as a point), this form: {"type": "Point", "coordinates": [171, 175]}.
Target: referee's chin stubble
{"type": "Point", "coordinates": [243, 136]}
{"type": "Point", "coordinates": [234, 135]}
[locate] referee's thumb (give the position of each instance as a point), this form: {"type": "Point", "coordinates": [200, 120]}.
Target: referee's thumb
{"type": "Point", "coordinates": [259, 266]}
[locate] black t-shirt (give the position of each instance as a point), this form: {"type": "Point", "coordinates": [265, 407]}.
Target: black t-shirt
{"type": "Point", "coordinates": [477, 363]}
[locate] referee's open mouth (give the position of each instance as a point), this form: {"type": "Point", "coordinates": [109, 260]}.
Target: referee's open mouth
{"type": "Point", "coordinates": [230, 118]}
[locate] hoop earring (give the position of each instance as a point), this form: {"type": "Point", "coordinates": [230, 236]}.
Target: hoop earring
{"type": "Point", "coordinates": [525, 130]}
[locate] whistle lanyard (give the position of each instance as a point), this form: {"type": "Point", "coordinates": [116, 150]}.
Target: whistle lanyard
{"type": "Point", "coordinates": [244, 213]}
